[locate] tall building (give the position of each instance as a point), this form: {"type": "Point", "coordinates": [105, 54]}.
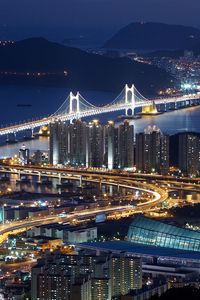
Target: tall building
{"type": "Point", "coordinates": [126, 145]}
{"type": "Point", "coordinates": [53, 277]}
{"type": "Point", "coordinates": [85, 276]}
{"type": "Point", "coordinates": [92, 145]}
{"type": "Point", "coordinates": [125, 274]}
{"type": "Point", "coordinates": [152, 151]}
{"type": "Point", "coordinates": [59, 143]}
{"type": "Point", "coordinates": [111, 146]}
{"type": "Point", "coordinates": [77, 141]}
{"type": "Point", "coordinates": [189, 153]}
{"type": "Point", "coordinates": [100, 289]}
{"type": "Point", "coordinates": [54, 286]}
{"type": "Point", "coordinates": [24, 154]}
{"type": "Point", "coordinates": [81, 289]}
{"type": "Point", "coordinates": [37, 157]}
{"type": "Point", "coordinates": [95, 145]}
{"type": "Point", "coordinates": [68, 143]}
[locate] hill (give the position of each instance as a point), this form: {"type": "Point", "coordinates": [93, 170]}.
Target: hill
{"type": "Point", "coordinates": [154, 36]}
{"type": "Point", "coordinates": [38, 61]}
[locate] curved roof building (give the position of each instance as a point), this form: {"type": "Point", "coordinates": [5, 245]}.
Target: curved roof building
{"type": "Point", "coordinates": [155, 233]}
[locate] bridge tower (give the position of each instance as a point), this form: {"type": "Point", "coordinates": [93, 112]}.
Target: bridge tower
{"type": "Point", "coordinates": [130, 98]}
{"type": "Point", "coordinates": [75, 98]}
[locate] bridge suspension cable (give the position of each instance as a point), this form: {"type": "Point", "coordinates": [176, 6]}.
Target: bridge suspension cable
{"type": "Point", "coordinates": [73, 103]}
{"type": "Point", "coordinates": [76, 106]}
{"type": "Point", "coordinates": [63, 108]}
{"type": "Point", "coordinates": [139, 97]}
{"type": "Point", "coordinates": [86, 103]}
{"type": "Point", "coordinates": [120, 99]}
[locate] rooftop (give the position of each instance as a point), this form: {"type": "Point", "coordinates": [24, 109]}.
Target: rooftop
{"type": "Point", "coordinates": [152, 232]}
{"type": "Point", "coordinates": [141, 250]}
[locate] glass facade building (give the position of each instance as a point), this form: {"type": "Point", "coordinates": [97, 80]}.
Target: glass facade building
{"type": "Point", "coordinates": [152, 232]}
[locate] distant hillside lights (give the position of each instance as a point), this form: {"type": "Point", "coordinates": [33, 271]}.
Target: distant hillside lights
{"type": "Point", "coordinates": [6, 42]}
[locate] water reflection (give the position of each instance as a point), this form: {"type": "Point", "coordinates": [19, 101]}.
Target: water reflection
{"type": "Point", "coordinates": [9, 150]}
{"type": "Point", "coordinates": [172, 122]}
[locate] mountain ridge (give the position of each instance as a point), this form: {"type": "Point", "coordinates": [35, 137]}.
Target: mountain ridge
{"type": "Point", "coordinates": [84, 70]}
{"type": "Point", "coordinates": [154, 36]}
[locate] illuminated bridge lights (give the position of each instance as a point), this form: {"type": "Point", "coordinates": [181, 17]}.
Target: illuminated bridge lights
{"type": "Point", "coordinates": [75, 107]}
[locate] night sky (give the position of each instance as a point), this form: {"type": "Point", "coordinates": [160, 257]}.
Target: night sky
{"type": "Point", "coordinates": [58, 19]}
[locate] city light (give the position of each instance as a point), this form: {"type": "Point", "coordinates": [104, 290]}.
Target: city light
{"type": "Point", "coordinates": [99, 153]}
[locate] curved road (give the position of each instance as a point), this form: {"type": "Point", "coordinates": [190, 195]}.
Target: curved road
{"type": "Point", "coordinates": [157, 195]}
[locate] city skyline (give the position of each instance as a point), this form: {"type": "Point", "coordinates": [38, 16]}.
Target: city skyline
{"type": "Point", "coordinates": [100, 149]}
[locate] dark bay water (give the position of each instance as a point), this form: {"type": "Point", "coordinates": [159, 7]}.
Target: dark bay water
{"type": "Point", "coordinates": [187, 119]}
{"type": "Point", "coordinates": [42, 100]}
{"type": "Point", "coordinates": [46, 100]}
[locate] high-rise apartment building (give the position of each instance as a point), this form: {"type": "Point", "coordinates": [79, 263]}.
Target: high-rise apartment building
{"type": "Point", "coordinates": [126, 145]}
{"type": "Point", "coordinates": [24, 154]}
{"type": "Point", "coordinates": [85, 277]}
{"type": "Point", "coordinates": [92, 145]}
{"type": "Point", "coordinates": [95, 145]}
{"type": "Point", "coordinates": [125, 274]}
{"type": "Point", "coordinates": [100, 288]}
{"type": "Point", "coordinates": [189, 153]}
{"type": "Point", "coordinates": [68, 143]}
{"type": "Point", "coordinates": [59, 143]}
{"type": "Point", "coordinates": [77, 143]}
{"type": "Point", "coordinates": [81, 289]}
{"type": "Point", "coordinates": [111, 155]}
{"type": "Point", "coordinates": [54, 286]}
{"type": "Point", "coordinates": [152, 151]}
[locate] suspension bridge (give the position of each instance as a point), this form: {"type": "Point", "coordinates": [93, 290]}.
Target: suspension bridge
{"type": "Point", "coordinates": [76, 107]}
